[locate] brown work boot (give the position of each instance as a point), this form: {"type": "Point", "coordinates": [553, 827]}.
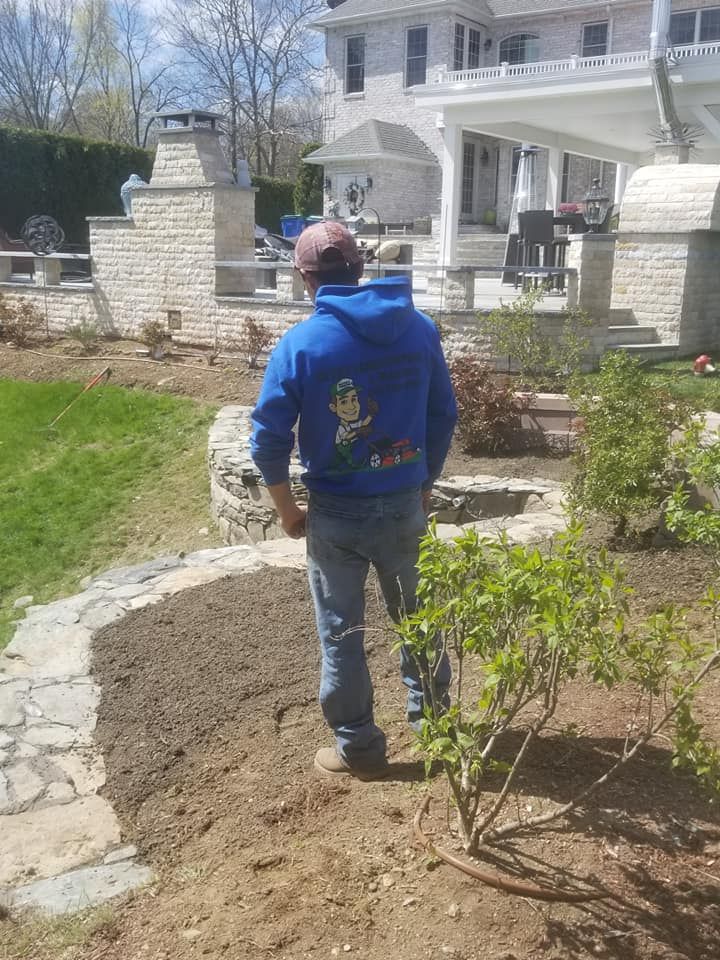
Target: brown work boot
{"type": "Point", "coordinates": [329, 763]}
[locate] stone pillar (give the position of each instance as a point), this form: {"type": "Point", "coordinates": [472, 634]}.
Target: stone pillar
{"type": "Point", "coordinates": [592, 255]}
{"type": "Point", "coordinates": [289, 284]}
{"type": "Point", "coordinates": [668, 250]}
{"type": "Point", "coordinates": [459, 289]}
{"type": "Point", "coordinates": [672, 153]}
{"type": "Point", "coordinates": [51, 268]}
{"type": "Point", "coordinates": [554, 172]}
{"type": "Point", "coordinates": [450, 200]}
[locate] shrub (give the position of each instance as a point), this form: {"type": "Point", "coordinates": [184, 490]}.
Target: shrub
{"type": "Point", "coordinates": [697, 458]}
{"type": "Point", "coordinates": [624, 445]}
{"type": "Point", "coordinates": [20, 324]}
{"type": "Point", "coordinates": [521, 623]}
{"type": "Point", "coordinates": [273, 200]}
{"type": "Point", "coordinates": [544, 359]}
{"type": "Point", "coordinates": [84, 332]}
{"type": "Point", "coordinates": [69, 178]}
{"type": "Point", "coordinates": [308, 192]}
{"type": "Point", "coordinates": [255, 338]}
{"type": "Point", "coordinates": [488, 412]}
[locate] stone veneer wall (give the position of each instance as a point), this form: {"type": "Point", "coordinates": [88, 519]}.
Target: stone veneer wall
{"type": "Point", "coordinates": [668, 253]}
{"type": "Point", "coordinates": [400, 188]}
{"type": "Point", "coordinates": [162, 258]}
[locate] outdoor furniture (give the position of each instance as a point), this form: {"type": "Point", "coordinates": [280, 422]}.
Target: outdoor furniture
{"type": "Point", "coordinates": [537, 248]}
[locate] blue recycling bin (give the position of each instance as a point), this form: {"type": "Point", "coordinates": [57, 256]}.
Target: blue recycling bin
{"type": "Point", "coordinates": [292, 226]}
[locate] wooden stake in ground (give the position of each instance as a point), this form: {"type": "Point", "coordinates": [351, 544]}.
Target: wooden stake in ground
{"type": "Point", "coordinates": [101, 377]}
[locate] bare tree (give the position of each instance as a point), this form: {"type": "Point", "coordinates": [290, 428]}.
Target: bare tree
{"type": "Point", "coordinates": [132, 76]}
{"type": "Point", "coordinates": [45, 50]}
{"type": "Point", "coordinates": [250, 56]}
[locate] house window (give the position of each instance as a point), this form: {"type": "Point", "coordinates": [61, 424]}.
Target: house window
{"type": "Point", "coordinates": [468, 178]}
{"type": "Point", "coordinates": [709, 25]}
{"type": "Point", "coordinates": [520, 48]}
{"type": "Point", "coordinates": [595, 39]}
{"type": "Point", "coordinates": [473, 51]}
{"type": "Point", "coordinates": [565, 181]}
{"type": "Point", "coordinates": [416, 56]}
{"type": "Point", "coordinates": [459, 47]}
{"type": "Point", "coordinates": [682, 28]}
{"type": "Point", "coordinates": [355, 65]}
{"type": "Point", "coordinates": [695, 26]}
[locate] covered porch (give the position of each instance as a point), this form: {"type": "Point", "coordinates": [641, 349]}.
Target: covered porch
{"type": "Point", "coordinates": [602, 108]}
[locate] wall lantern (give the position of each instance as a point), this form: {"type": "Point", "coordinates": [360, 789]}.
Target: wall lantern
{"type": "Point", "coordinates": [595, 206]}
{"type": "Point", "coordinates": [488, 43]}
{"type": "Point", "coordinates": [485, 157]}
{"type": "Point", "coordinates": [327, 184]}
{"type": "Point", "coordinates": [368, 183]}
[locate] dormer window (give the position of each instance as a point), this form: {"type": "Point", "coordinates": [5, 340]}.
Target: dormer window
{"type": "Point", "coordinates": [520, 48]}
{"type": "Point", "coordinates": [416, 56]}
{"type": "Point", "coordinates": [355, 64]}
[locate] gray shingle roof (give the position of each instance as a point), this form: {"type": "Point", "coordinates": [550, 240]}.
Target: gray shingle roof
{"type": "Point", "coordinates": [375, 138]}
{"type": "Point", "coordinates": [506, 8]}
{"type": "Point", "coordinates": [370, 9]}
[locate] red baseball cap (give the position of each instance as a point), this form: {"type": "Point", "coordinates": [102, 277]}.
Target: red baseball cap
{"type": "Point", "coordinates": [324, 246]}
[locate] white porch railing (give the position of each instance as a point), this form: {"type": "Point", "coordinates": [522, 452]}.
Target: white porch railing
{"type": "Point", "coordinates": [574, 64]}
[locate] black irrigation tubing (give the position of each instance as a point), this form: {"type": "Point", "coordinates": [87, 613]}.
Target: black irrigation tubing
{"type": "Point", "coordinates": [517, 887]}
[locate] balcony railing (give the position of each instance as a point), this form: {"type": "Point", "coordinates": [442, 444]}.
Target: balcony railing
{"type": "Point", "coordinates": [573, 65]}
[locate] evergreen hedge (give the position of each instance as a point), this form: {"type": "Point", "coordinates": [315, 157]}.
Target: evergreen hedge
{"type": "Point", "coordinates": [69, 178]}
{"type": "Point", "coordinates": [273, 200]}
{"type": "Point", "coordinates": [308, 194]}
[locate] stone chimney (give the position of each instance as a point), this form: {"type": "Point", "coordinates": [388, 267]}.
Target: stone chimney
{"type": "Point", "coordinates": [189, 153]}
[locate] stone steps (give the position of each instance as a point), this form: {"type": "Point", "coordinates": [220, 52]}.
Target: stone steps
{"type": "Point", "coordinates": [632, 333]}
{"type": "Point", "coordinates": [649, 352]}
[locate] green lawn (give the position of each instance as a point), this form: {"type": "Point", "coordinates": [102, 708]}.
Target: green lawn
{"type": "Point", "coordinates": [121, 477]}
{"type": "Point", "coordinates": [678, 377]}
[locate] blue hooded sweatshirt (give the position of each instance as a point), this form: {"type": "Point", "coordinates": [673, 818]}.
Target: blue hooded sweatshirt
{"type": "Point", "coordinates": [366, 376]}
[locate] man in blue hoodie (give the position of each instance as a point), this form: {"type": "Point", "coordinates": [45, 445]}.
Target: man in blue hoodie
{"type": "Point", "coordinates": [365, 380]}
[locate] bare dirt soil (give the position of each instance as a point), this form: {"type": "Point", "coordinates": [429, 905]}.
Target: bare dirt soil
{"type": "Point", "coordinates": [209, 722]}
{"type": "Point", "coordinates": [187, 372]}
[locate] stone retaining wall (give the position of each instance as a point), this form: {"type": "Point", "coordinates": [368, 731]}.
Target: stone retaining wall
{"type": "Point", "coordinates": [244, 511]}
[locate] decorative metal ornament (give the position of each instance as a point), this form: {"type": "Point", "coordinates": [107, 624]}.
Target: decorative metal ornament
{"type": "Point", "coordinates": [42, 234]}
{"type": "Point", "coordinates": [354, 197]}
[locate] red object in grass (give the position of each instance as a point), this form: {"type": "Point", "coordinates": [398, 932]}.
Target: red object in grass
{"type": "Point", "coordinates": [703, 364]}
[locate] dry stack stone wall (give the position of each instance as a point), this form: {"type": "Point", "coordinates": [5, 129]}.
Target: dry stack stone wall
{"type": "Point", "coordinates": [241, 505]}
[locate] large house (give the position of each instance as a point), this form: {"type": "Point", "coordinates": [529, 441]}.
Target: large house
{"type": "Point", "coordinates": [428, 103]}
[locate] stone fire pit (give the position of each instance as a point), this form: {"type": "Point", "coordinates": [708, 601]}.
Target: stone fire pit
{"type": "Point", "coordinates": [527, 510]}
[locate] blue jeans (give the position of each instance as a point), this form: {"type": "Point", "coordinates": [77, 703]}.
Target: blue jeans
{"type": "Point", "coordinates": [344, 536]}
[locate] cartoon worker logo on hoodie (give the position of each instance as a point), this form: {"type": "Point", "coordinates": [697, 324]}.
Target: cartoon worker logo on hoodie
{"type": "Point", "coordinates": [355, 450]}
{"type": "Point", "coordinates": [345, 404]}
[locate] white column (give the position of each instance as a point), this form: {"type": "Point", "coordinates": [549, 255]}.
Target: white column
{"type": "Point", "coordinates": [554, 173]}
{"type": "Point", "coordinates": [450, 200]}
{"type": "Point", "coordinates": [622, 175]}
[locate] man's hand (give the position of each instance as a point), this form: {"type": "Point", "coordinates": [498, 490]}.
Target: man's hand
{"type": "Point", "coordinates": [292, 520]}
{"type": "Point", "coordinates": [292, 517]}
